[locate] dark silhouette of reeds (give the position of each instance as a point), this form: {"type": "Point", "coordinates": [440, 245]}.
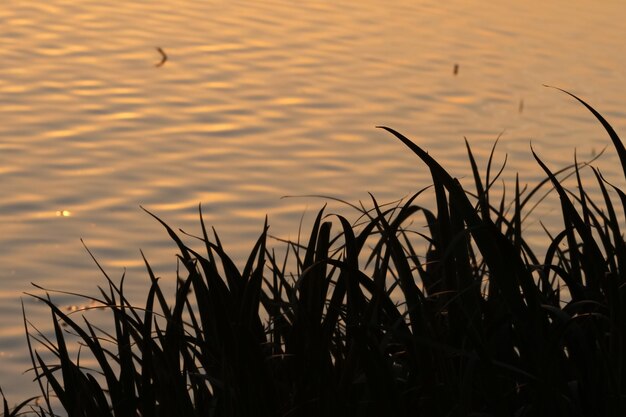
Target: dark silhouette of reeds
{"type": "Point", "coordinates": [367, 326]}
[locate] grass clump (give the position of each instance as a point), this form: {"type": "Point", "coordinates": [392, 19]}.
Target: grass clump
{"type": "Point", "coordinates": [364, 325]}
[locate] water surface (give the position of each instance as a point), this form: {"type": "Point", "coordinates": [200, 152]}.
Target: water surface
{"type": "Point", "coordinates": [262, 99]}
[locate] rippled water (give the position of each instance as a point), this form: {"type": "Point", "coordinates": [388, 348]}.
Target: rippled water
{"type": "Point", "coordinates": [261, 99]}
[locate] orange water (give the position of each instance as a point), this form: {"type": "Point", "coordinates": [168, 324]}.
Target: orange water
{"type": "Point", "coordinates": [261, 99]}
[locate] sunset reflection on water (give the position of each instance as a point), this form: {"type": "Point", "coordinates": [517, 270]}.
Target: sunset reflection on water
{"type": "Point", "coordinates": [258, 100]}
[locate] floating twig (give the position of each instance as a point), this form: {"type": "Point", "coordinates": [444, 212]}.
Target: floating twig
{"type": "Point", "coordinates": [163, 57]}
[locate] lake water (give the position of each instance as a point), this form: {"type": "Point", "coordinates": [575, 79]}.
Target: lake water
{"type": "Point", "coordinates": [262, 99]}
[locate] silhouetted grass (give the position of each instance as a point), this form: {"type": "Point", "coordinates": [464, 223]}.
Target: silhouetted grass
{"type": "Point", "coordinates": [367, 323]}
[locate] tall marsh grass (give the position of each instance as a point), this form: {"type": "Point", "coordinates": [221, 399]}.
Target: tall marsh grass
{"type": "Point", "coordinates": [367, 322]}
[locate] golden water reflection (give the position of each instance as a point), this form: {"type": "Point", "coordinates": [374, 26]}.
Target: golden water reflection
{"type": "Point", "coordinates": [258, 100]}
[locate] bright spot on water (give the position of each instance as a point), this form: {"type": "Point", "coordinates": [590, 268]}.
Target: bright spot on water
{"type": "Point", "coordinates": [63, 213]}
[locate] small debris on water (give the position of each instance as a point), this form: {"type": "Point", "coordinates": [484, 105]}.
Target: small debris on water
{"type": "Point", "coordinates": [456, 69]}
{"type": "Point", "coordinates": [163, 57]}
{"type": "Point", "coordinates": [521, 105]}
{"type": "Point", "coordinates": [63, 213]}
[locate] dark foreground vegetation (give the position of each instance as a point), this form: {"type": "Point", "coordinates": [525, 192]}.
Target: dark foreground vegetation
{"type": "Point", "coordinates": [380, 317]}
